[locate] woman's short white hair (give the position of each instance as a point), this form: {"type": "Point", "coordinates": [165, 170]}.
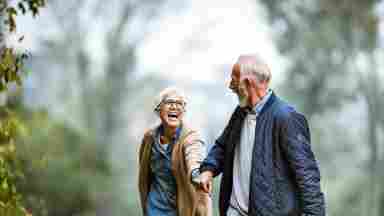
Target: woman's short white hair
{"type": "Point", "coordinates": [167, 93]}
{"type": "Point", "coordinates": [252, 64]}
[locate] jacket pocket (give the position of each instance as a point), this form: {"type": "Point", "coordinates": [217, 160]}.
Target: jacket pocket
{"type": "Point", "coordinates": [286, 198]}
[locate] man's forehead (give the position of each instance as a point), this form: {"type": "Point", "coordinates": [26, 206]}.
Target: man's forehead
{"type": "Point", "coordinates": [236, 69]}
{"type": "Point", "coordinates": [248, 59]}
{"type": "Point", "coordinates": [243, 59]}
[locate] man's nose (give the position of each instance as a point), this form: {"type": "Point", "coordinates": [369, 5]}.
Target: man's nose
{"type": "Point", "coordinates": [232, 85]}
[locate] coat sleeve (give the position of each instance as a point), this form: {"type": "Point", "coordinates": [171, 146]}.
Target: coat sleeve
{"type": "Point", "coordinates": [295, 143]}
{"type": "Point", "coordinates": [194, 152]}
{"type": "Point", "coordinates": [146, 138]}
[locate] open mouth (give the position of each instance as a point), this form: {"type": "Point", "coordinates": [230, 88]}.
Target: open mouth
{"type": "Point", "coordinates": [173, 116]}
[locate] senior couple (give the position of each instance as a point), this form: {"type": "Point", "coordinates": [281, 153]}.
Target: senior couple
{"type": "Point", "coordinates": [263, 154]}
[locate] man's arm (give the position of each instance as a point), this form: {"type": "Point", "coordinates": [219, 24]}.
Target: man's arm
{"type": "Point", "coordinates": [214, 162]}
{"type": "Point", "coordinates": [212, 165]}
{"type": "Point", "coordinates": [295, 137]}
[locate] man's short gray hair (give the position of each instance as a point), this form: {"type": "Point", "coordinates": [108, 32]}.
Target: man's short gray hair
{"type": "Point", "coordinates": [252, 64]}
{"type": "Point", "coordinates": [169, 92]}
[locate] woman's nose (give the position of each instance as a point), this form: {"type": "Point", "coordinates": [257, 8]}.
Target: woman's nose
{"type": "Point", "coordinates": [173, 106]}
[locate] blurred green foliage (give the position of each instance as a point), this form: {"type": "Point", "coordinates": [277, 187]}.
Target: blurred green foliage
{"type": "Point", "coordinates": [48, 167]}
{"type": "Point", "coordinates": [23, 7]}
{"type": "Point", "coordinates": [12, 62]}
{"type": "Point", "coordinates": [11, 127]}
{"type": "Point", "coordinates": [10, 167]}
{"type": "Point", "coordinates": [65, 171]}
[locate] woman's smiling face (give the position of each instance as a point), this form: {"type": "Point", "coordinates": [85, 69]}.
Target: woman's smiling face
{"type": "Point", "coordinates": [171, 112]}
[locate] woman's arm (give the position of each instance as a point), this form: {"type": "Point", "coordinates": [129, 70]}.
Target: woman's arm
{"type": "Point", "coordinates": [194, 151]}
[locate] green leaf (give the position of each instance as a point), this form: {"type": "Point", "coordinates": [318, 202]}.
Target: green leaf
{"type": "Point", "coordinates": [22, 7]}
{"type": "Point", "coordinates": [3, 87]}
{"type": "Point", "coordinates": [21, 39]}
{"type": "Point", "coordinates": [4, 185]}
{"type": "Point", "coordinates": [11, 11]}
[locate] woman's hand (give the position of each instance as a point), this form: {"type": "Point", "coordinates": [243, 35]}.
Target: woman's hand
{"type": "Point", "coordinates": [206, 181]}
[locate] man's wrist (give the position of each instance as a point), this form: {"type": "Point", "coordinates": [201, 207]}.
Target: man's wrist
{"type": "Point", "coordinates": [208, 172]}
{"type": "Point", "coordinates": [208, 169]}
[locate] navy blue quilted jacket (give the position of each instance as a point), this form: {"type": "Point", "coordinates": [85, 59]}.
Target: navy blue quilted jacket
{"type": "Point", "coordinates": [285, 178]}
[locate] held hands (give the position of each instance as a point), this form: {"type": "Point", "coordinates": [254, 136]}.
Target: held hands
{"type": "Point", "coordinates": [206, 181]}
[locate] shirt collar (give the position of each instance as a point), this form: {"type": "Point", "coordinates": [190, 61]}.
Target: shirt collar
{"type": "Point", "coordinates": [175, 137]}
{"type": "Point", "coordinates": [259, 106]}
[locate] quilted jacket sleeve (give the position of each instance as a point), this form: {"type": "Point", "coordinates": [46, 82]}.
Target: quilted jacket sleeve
{"type": "Point", "coordinates": [295, 136]}
{"type": "Point", "coordinates": [215, 160]}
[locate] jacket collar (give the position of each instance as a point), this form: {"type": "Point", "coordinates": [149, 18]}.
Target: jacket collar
{"type": "Point", "coordinates": [176, 136]}
{"type": "Point", "coordinates": [259, 106]}
{"type": "Point", "coordinates": [272, 98]}
{"type": "Point", "coordinates": [242, 112]}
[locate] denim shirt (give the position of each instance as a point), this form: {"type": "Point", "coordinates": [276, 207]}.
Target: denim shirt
{"type": "Point", "coordinates": [162, 195]}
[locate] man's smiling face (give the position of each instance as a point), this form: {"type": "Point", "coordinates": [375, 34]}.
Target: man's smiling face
{"type": "Point", "coordinates": [171, 112]}
{"type": "Point", "coordinates": [238, 87]}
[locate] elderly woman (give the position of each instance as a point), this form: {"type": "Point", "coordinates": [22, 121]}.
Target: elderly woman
{"type": "Point", "coordinates": [169, 161]}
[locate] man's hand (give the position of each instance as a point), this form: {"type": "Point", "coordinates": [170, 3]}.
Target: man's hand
{"type": "Point", "coordinates": [206, 181]}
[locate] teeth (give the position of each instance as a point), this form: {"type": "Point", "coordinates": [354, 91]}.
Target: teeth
{"type": "Point", "coordinates": [171, 115]}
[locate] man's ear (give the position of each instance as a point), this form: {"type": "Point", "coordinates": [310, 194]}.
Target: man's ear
{"type": "Point", "coordinates": [264, 84]}
{"type": "Point", "coordinates": [246, 81]}
{"type": "Point", "coordinates": [250, 82]}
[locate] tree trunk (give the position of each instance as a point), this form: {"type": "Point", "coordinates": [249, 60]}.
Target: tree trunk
{"type": "Point", "coordinates": [371, 93]}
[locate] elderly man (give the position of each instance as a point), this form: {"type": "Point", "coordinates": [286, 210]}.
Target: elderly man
{"type": "Point", "coordinates": [264, 152]}
{"type": "Point", "coordinates": [169, 160]}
